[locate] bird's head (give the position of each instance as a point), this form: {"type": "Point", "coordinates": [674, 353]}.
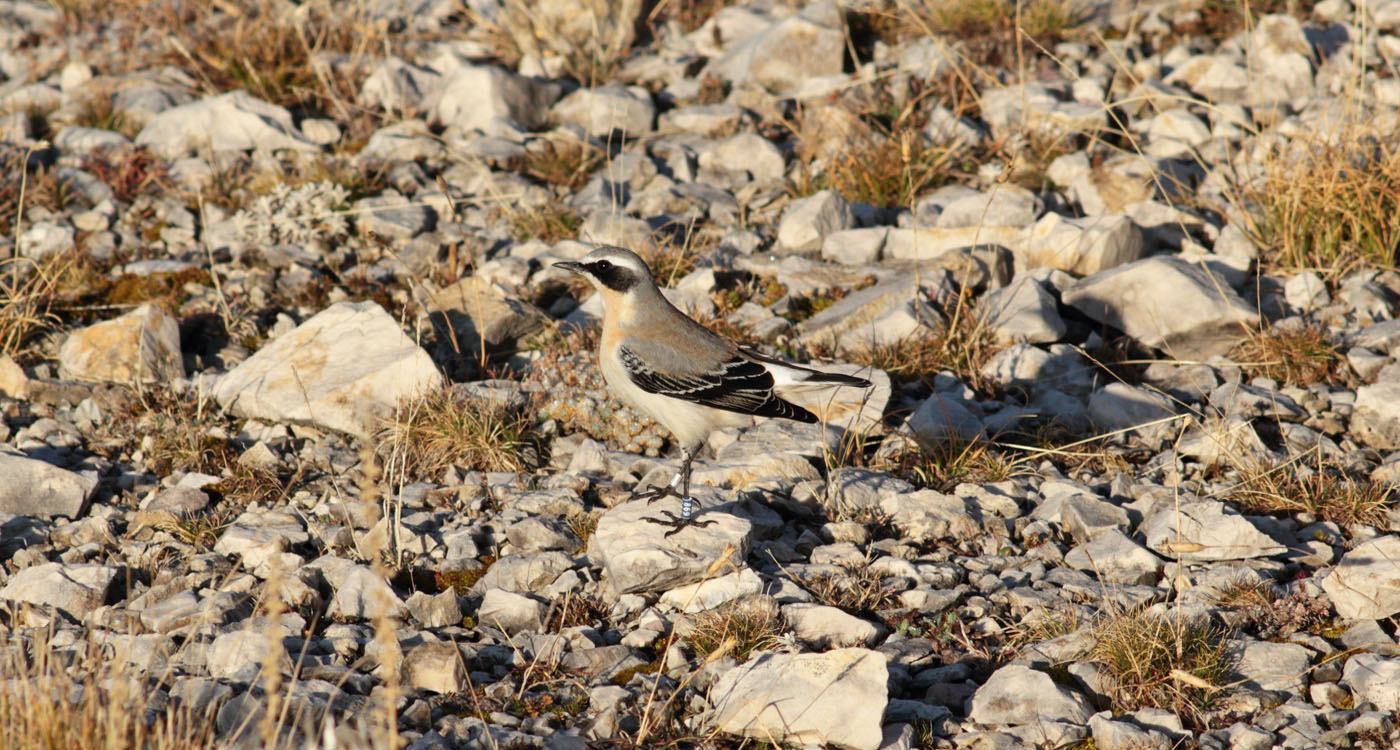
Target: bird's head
{"type": "Point", "coordinates": [611, 269]}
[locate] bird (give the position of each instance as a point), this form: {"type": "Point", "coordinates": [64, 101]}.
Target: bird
{"type": "Point", "coordinates": [680, 373]}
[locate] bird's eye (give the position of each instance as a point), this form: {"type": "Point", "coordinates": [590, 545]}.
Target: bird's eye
{"type": "Point", "coordinates": [602, 265]}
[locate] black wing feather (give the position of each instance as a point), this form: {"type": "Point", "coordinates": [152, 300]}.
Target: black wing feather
{"type": "Point", "coordinates": [740, 385]}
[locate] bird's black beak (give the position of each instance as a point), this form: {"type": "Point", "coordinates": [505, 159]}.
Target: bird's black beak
{"type": "Point", "coordinates": [569, 265]}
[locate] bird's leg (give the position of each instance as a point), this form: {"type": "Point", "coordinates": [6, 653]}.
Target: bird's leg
{"type": "Point", "coordinates": [656, 493]}
{"type": "Point", "coordinates": [687, 516]}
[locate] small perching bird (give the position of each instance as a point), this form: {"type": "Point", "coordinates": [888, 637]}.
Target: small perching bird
{"type": "Point", "coordinates": [680, 373]}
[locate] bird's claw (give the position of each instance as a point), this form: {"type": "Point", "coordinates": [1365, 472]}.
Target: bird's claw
{"type": "Point", "coordinates": [676, 522]}
{"type": "Point", "coordinates": [656, 493]}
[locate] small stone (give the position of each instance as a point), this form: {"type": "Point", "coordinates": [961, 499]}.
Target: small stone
{"type": "Point", "coordinates": [435, 611]}
{"type": "Point", "coordinates": [1373, 678]}
{"type": "Point", "coordinates": [470, 97]}
{"type": "Point", "coordinates": [1166, 303]}
{"type": "Point", "coordinates": [808, 221]}
{"type": "Point", "coordinates": [1116, 559]}
{"type": "Point", "coordinates": [234, 121]}
{"type": "Point", "coordinates": [511, 612]}
{"type": "Point", "coordinates": [825, 627]}
{"type": "Point", "coordinates": [1204, 531]}
{"type": "Point", "coordinates": [1024, 312]}
{"type": "Point", "coordinates": [435, 667]}
{"type": "Point", "coordinates": [711, 593]}
{"type": "Point", "coordinates": [638, 557]}
{"type": "Point", "coordinates": [239, 656]}
{"type": "Point", "coordinates": [474, 312]}
{"type": "Point", "coordinates": [74, 589]}
{"type": "Point", "coordinates": [364, 595]}
{"type": "Point", "coordinates": [604, 109]}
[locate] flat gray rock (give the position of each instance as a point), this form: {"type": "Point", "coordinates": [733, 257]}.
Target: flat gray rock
{"type": "Point", "coordinates": [38, 488]}
{"type": "Point", "coordinates": [345, 369]}
{"type": "Point", "coordinates": [1204, 531]}
{"type": "Point", "coordinates": [836, 698]}
{"type": "Point", "coordinates": [638, 557]}
{"type": "Point", "coordinates": [235, 121]}
{"type": "Point", "coordinates": [73, 589]}
{"type": "Point", "coordinates": [1017, 694]}
{"type": "Point", "coordinates": [1166, 303]}
{"type": "Point", "coordinates": [1365, 584]}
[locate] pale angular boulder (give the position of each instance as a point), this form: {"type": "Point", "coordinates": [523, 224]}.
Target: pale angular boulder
{"type": "Point", "coordinates": [469, 97]}
{"type": "Point", "coordinates": [37, 488]}
{"type": "Point", "coordinates": [140, 346]}
{"type": "Point", "coordinates": [1365, 584]}
{"type": "Point", "coordinates": [1085, 245]}
{"type": "Point", "coordinates": [234, 121]}
{"type": "Point", "coordinates": [73, 589]}
{"type": "Point", "coordinates": [1205, 531]}
{"type": "Point", "coordinates": [476, 313]}
{"type": "Point", "coordinates": [638, 557]}
{"type": "Point", "coordinates": [837, 698]}
{"type": "Point", "coordinates": [1166, 303]}
{"type": "Point", "coordinates": [784, 55]}
{"type": "Point", "coordinates": [1017, 694]}
{"type": "Point", "coordinates": [602, 110]}
{"type": "Point", "coordinates": [344, 369]}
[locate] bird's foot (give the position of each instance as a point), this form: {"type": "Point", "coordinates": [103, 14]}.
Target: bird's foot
{"type": "Point", "coordinates": [656, 493]}
{"type": "Point", "coordinates": [676, 522]}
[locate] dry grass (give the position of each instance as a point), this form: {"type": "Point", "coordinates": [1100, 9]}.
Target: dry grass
{"type": "Point", "coordinates": [860, 590]}
{"type": "Point", "coordinates": [276, 51]}
{"type": "Point", "coordinates": [754, 624]}
{"type": "Point", "coordinates": [446, 428]}
{"type": "Point", "coordinates": [1155, 663]}
{"type": "Point", "coordinates": [567, 164]}
{"type": "Point", "coordinates": [989, 32]}
{"type": "Point", "coordinates": [962, 346]}
{"type": "Point", "coordinates": [550, 223]}
{"type": "Point", "coordinates": [945, 464]}
{"type": "Point", "coordinates": [1321, 489]}
{"type": "Point", "coordinates": [1333, 207]}
{"type": "Point", "coordinates": [886, 167]}
{"type": "Point", "coordinates": [48, 703]}
{"type": "Point", "coordinates": [1290, 356]}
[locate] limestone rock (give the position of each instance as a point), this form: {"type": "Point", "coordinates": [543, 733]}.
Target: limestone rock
{"type": "Point", "coordinates": [140, 346]}
{"type": "Point", "coordinates": [638, 557]}
{"type": "Point", "coordinates": [474, 312]}
{"type": "Point", "coordinates": [1017, 694]}
{"type": "Point", "coordinates": [345, 369]}
{"type": "Point", "coordinates": [36, 488]}
{"type": "Point", "coordinates": [1365, 584]}
{"type": "Point", "coordinates": [73, 589]}
{"type": "Point", "coordinates": [234, 121]}
{"type": "Point", "coordinates": [1202, 531]}
{"type": "Point", "coordinates": [1166, 303]}
{"type": "Point", "coordinates": [836, 698]}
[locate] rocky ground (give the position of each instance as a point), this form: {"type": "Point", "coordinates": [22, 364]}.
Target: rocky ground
{"type": "Point", "coordinates": [304, 442]}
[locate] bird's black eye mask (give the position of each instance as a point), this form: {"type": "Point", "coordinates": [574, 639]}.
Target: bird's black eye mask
{"type": "Point", "coordinates": [612, 276]}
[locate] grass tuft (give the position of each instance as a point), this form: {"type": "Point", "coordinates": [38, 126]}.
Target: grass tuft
{"type": "Point", "coordinates": [1293, 356]}
{"type": "Point", "coordinates": [447, 428]}
{"type": "Point", "coordinates": [753, 623]}
{"type": "Point", "coordinates": [1156, 663]}
{"type": "Point", "coordinates": [1334, 207]}
{"type": "Point", "coordinates": [1324, 490]}
{"type": "Point", "coordinates": [548, 223]}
